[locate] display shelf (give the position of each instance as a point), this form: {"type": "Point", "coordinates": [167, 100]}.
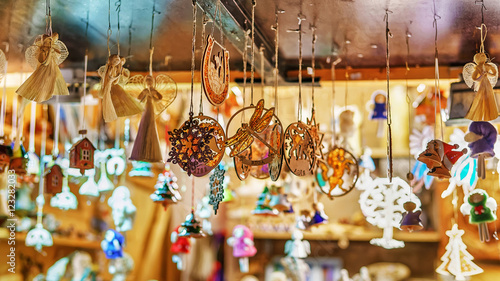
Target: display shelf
{"type": "Point", "coordinates": [59, 241]}
{"type": "Point", "coordinates": [355, 234]}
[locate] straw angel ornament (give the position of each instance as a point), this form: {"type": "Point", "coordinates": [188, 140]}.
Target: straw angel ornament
{"type": "Point", "coordinates": [45, 56]}
{"type": "Point", "coordinates": [482, 76]}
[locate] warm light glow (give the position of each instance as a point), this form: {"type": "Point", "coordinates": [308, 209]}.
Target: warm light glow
{"type": "Point", "coordinates": [236, 91]}
{"type": "Point", "coordinates": [420, 88]}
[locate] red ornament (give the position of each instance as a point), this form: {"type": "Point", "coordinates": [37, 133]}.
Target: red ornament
{"type": "Point", "coordinates": [81, 155]}
{"type": "Point", "coordinates": [54, 179]}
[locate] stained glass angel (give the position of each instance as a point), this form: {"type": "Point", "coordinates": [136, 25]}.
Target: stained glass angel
{"type": "Point", "coordinates": [157, 93]}
{"type": "Point", "coordinates": [481, 75]}
{"type": "Point", "coordinates": [115, 100]}
{"type": "Point", "coordinates": [45, 56]}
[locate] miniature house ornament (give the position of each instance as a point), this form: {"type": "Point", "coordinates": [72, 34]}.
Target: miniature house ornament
{"type": "Point", "coordinates": [81, 154]}
{"type": "Point", "coordinates": [112, 245]}
{"type": "Point", "coordinates": [481, 137]}
{"type": "Point", "coordinates": [123, 210]}
{"type": "Point", "coordinates": [243, 245]}
{"type": "Point", "coordinates": [481, 210]}
{"type": "Point", "coordinates": [54, 179]}
{"type": "Point", "coordinates": [179, 248]}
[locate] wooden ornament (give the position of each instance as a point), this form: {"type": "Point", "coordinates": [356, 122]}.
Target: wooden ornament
{"type": "Point", "coordinates": [157, 94]}
{"type": "Point", "coordinates": [242, 170]}
{"type": "Point", "coordinates": [81, 155]}
{"type": "Point", "coordinates": [215, 72]}
{"type": "Point", "coordinates": [116, 102]}
{"type": "Point", "coordinates": [45, 56]}
{"type": "Point", "coordinates": [299, 150]}
{"type": "Point", "coordinates": [54, 179]}
{"type": "Point", "coordinates": [338, 174]}
{"type": "Point", "coordinates": [316, 135]}
{"type": "Point", "coordinates": [5, 156]}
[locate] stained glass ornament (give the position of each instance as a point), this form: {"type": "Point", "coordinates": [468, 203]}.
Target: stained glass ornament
{"type": "Point", "coordinates": [215, 72]}
{"type": "Point", "coordinates": [481, 209]}
{"type": "Point", "coordinates": [112, 245]}
{"type": "Point", "coordinates": [216, 187]}
{"type": "Point", "coordinates": [141, 169]}
{"type": "Point", "coordinates": [39, 237]}
{"type": "Point", "coordinates": [65, 200]}
{"type": "Point", "coordinates": [481, 137]}
{"type": "Point", "coordinates": [457, 261]}
{"type": "Point", "coordinates": [45, 56]}
{"type": "Point", "coordinates": [383, 206]}
{"type": "Point", "coordinates": [167, 190]}
{"type": "Point", "coordinates": [299, 150]}
{"type": "Point", "coordinates": [198, 145]}
{"type": "Point", "coordinates": [191, 227]}
{"type": "Point", "coordinates": [242, 170]}
{"type": "Point", "coordinates": [243, 245]}
{"type": "Point", "coordinates": [338, 173]}
{"type": "Point", "coordinates": [123, 210]}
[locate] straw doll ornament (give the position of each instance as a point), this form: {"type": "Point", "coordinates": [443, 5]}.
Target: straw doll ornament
{"type": "Point", "coordinates": [481, 138]}
{"type": "Point", "coordinates": [481, 209]}
{"type": "Point", "coordinates": [481, 75]}
{"type": "Point", "coordinates": [46, 54]}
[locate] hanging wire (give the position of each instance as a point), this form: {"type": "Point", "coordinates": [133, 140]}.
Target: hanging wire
{"type": "Point", "coordinates": [252, 51]}
{"type": "Point", "coordinates": [193, 49]}
{"type": "Point", "coordinates": [85, 65]}
{"type": "Point", "coordinates": [437, 92]}
{"type": "Point", "coordinates": [262, 71]}
{"type": "Point", "coordinates": [151, 48]}
{"type": "Point", "coordinates": [347, 43]}
{"type": "Point", "coordinates": [130, 28]}
{"type": "Point", "coordinates": [409, 176]}
{"type": "Point", "coordinates": [389, 118]}
{"type": "Point", "coordinates": [245, 62]}
{"type": "Point", "coordinates": [55, 150]}
{"type": "Point", "coordinates": [40, 203]}
{"type": "Point", "coordinates": [313, 65]}
{"type": "Point", "coordinates": [483, 8]}
{"type": "Point", "coordinates": [118, 5]}
{"type": "Point", "coordinates": [32, 127]}
{"type": "Point", "coordinates": [334, 63]}
{"type": "Point", "coordinates": [4, 96]}
{"type": "Point", "coordinates": [109, 32]}
{"type": "Point", "coordinates": [203, 29]}
{"type": "Point", "coordinates": [300, 17]}
{"type": "Point", "coordinates": [48, 18]}
{"type": "Point", "coordinates": [276, 53]}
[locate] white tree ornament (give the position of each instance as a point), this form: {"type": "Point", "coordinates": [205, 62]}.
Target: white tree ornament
{"type": "Point", "coordinates": [456, 260]}
{"type": "Point", "coordinates": [382, 204]}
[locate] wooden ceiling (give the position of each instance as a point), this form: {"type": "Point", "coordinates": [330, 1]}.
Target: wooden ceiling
{"type": "Point", "coordinates": [359, 21]}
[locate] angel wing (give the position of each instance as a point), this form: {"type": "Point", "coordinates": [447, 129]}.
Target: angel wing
{"type": "Point", "coordinates": [63, 51]}
{"type": "Point", "coordinates": [31, 55]}
{"type": "Point", "coordinates": [167, 88]}
{"type": "Point", "coordinates": [135, 85]}
{"type": "Point", "coordinates": [467, 74]}
{"type": "Point", "coordinates": [493, 78]}
{"type": "Point", "coordinates": [124, 77]}
{"type": "Point", "coordinates": [2, 64]}
{"type": "Point", "coordinates": [492, 204]}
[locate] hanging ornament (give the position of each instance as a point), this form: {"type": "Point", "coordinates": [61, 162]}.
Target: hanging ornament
{"type": "Point", "coordinates": [89, 188]}
{"type": "Point", "coordinates": [298, 145]}
{"type": "Point", "coordinates": [112, 245]}
{"type": "Point", "coordinates": [141, 169]}
{"type": "Point", "coordinates": [19, 160]}
{"type": "Point", "coordinates": [216, 187]}
{"type": "Point", "coordinates": [439, 157]}
{"type": "Point", "coordinates": [54, 179]}
{"type": "Point", "coordinates": [481, 137]}
{"type": "Point", "coordinates": [378, 110]}
{"type": "Point", "coordinates": [243, 245]}
{"type": "Point", "coordinates": [39, 237]}
{"type": "Point", "coordinates": [411, 220]}
{"type": "Point", "coordinates": [5, 156]}
{"type": "Point", "coordinates": [382, 204]}
{"type": "Point", "coordinates": [204, 212]}
{"type": "Point", "coordinates": [481, 209]}
{"type": "Point", "coordinates": [167, 190]}
{"type": "Point", "coordinates": [45, 56]}
{"type": "Point", "coordinates": [481, 75]}
{"type": "Point", "coordinates": [279, 199]}
{"type": "Point", "coordinates": [123, 210]}
{"type": "Point", "coordinates": [262, 207]}
{"type": "Point", "coordinates": [456, 260]}
{"type": "Point", "coordinates": [179, 248]}
{"type": "Point", "coordinates": [215, 67]}
{"type": "Point", "coordinates": [64, 200]}
{"type": "Point", "coordinates": [319, 216]}
{"type": "Point", "coordinates": [104, 184]}
{"type": "Point", "coordinates": [198, 145]}
{"type": "Point", "coordinates": [296, 247]}
{"type": "Point", "coordinates": [295, 269]}
{"type": "Point", "coordinates": [81, 154]}
{"type": "Point", "coordinates": [388, 35]}
{"type": "Point", "coordinates": [191, 227]}
{"type": "Point", "coordinates": [338, 174]}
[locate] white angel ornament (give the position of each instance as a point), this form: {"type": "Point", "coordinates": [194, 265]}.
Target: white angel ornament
{"type": "Point", "coordinates": [481, 75]}
{"type": "Point", "coordinates": [45, 55]}
{"type": "Point", "coordinates": [123, 210]}
{"type": "Point", "coordinates": [297, 248]}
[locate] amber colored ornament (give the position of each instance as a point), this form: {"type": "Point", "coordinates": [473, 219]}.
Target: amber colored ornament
{"type": "Point", "coordinates": [81, 154]}
{"type": "Point", "coordinates": [299, 149]}
{"type": "Point", "coordinates": [338, 174]}
{"type": "Point", "coordinates": [53, 179]}
{"type": "Point", "coordinates": [215, 72]}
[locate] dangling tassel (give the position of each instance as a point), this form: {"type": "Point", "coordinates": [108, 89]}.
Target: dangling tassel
{"type": "Point", "coordinates": [124, 104]}
{"type": "Point", "coordinates": [108, 110]}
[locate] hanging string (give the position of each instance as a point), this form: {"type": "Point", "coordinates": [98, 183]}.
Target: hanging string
{"type": "Point", "coordinates": [276, 52]}
{"type": "Point", "coordinates": [334, 63]}
{"type": "Point", "coordinates": [32, 127]}
{"type": "Point", "coordinates": [4, 96]}
{"type": "Point", "coordinates": [85, 66]}
{"type": "Point", "coordinates": [14, 132]}
{"type": "Point", "coordinates": [437, 92]}
{"type": "Point", "coordinates": [347, 43]}
{"type": "Point", "coordinates": [151, 48]}
{"type": "Point", "coordinates": [313, 66]}
{"type": "Point", "coordinates": [408, 101]}
{"type": "Point", "coordinates": [262, 71]}
{"type": "Point", "coordinates": [193, 49]}
{"type": "Point", "coordinates": [40, 203]}
{"type": "Point", "coordinates": [117, 133]}
{"type": "Point", "coordinates": [130, 28]}
{"type": "Point", "coordinates": [205, 20]}
{"type": "Point", "coordinates": [48, 18]}
{"type": "Point", "coordinates": [192, 193]}
{"type": "Point", "coordinates": [245, 62]}
{"type": "Point", "coordinates": [109, 32]}
{"type": "Point", "coordinates": [483, 8]}
{"type": "Point", "coordinates": [483, 37]}
{"type": "Point", "coordinates": [118, 5]}
{"type": "Point", "coordinates": [300, 17]}
{"type": "Point", "coordinates": [389, 118]}
{"type": "Point", "coordinates": [252, 51]}
{"type": "Point", "coordinates": [55, 150]}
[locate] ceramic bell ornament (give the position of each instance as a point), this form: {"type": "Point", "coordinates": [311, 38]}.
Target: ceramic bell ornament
{"type": "Point", "coordinates": [191, 227]}
{"type": "Point", "coordinates": [243, 245]}
{"type": "Point", "coordinates": [180, 247]}
{"type": "Point", "coordinates": [123, 210]}
{"type": "Point", "coordinates": [89, 188]}
{"type": "Point", "coordinates": [297, 248]}
{"type": "Point", "coordinates": [481, 138]}
{"type": "Point", "coordinates": [481, 210]}
{"type": "Point", "coordinates": [411, 218]}
{"type": "Point", "coordinates": [120, 268]}
{"type": "Point", "coordinates": [39, 237]}
{"type": "Point", "coordinates": [65, 200]}
{"type": "Point", "coordinates": [112, 245]}
{"type": "Point", "coordinates": [439, 158]}
{"type": "Point", "coordinates": [378, 110]}
{"type": "Point", "coordinates": [104, 184]}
